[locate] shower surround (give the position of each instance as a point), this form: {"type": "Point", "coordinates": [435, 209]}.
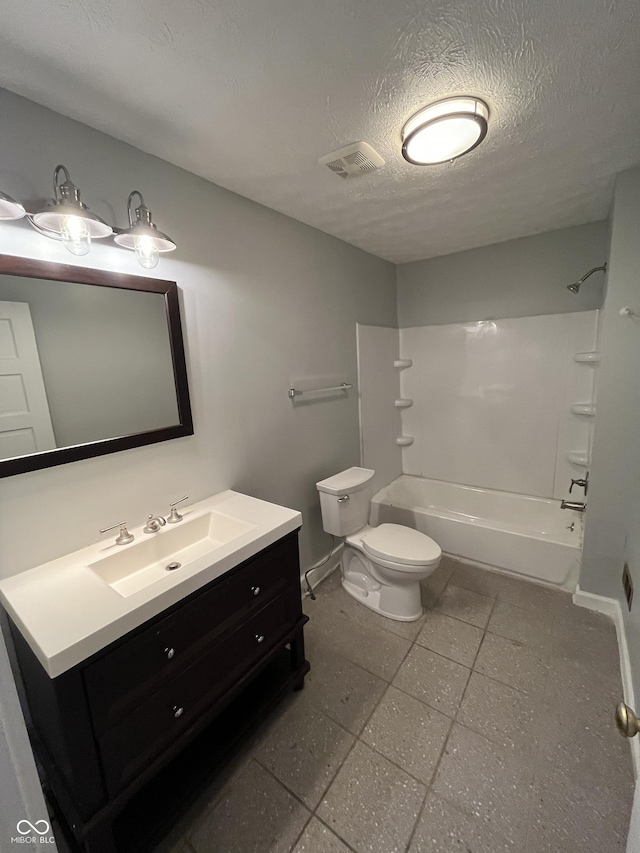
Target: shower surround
{"type": "Point", "coordinates": [500, 406]}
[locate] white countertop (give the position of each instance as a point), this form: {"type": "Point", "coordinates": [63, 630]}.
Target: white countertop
{"type": "Point", "coordinates": [66, 612]}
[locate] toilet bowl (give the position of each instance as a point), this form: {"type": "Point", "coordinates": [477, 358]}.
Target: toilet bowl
{"type": "Point", "coordinates": [381, 566]}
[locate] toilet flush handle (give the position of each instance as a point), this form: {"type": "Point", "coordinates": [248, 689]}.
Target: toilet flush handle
{"type": "Point", "coordinates": [343, 498]}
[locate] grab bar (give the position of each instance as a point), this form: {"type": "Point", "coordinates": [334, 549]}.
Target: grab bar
{"type": "Point", "coordinates": [296, 392]}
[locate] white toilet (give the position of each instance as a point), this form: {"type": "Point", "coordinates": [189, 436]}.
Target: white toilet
{"type": "Point", "coordinates": [381, 566]}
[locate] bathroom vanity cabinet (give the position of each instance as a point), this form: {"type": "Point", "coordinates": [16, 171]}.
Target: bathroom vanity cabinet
{"type": "Point", "coordinates": [109, 726]}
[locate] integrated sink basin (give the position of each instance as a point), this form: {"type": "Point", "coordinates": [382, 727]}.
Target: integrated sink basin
{"type": "Point", "coordinates": [79, 603]}
{"type": "Point", "coordinates": [146, 561]}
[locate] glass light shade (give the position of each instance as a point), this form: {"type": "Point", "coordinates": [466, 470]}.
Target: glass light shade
{"type": "Point", "coordinates": [147, 252]}
{"type": "Point", "coordinates": [75, 235]}
{"type": "Point", "coordinates": [9, 208]}
{"type": "Point", "coordinates": [444, 130]}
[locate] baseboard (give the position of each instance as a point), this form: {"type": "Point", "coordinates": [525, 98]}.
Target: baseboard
{"type": "Point", "coordinates": [611, 607]}
{"type": "Point", "coordinates": [318, 573]}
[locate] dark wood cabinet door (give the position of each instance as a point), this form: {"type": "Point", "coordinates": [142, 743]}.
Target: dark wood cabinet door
{"type": "Point", "coordinates": [143, 734]}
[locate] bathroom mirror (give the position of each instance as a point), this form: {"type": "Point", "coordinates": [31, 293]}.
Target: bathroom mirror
{"type": "Point", "coordinates": [91, 362]}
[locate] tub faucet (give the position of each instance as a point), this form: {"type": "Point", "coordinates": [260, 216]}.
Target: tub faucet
{"type": "Point", "coordinates": [578, 506]}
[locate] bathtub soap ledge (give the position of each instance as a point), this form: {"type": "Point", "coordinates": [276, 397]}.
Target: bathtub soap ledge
{"type": "Point", "coordinates": [587, 357]}
{"type": "Point", "coordinates": [405, 440]}
{"type": "Point", "coordinates": [583, 409]}
{"type": "Point", "coordinates": [578, 458]}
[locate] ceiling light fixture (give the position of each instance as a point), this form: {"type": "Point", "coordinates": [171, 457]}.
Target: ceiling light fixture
{"type": "Point", "coordinates": [9, 208]}
{"type": "Point", "coordinates": [445, 130]}
{"type": "Point", "coordinates": [142, 235]}
{"type": "Point", "coordinates": [66, 218]}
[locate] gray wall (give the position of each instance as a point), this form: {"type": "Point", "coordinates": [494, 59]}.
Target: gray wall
{"type": "Point", "coordinates": [263, 298]}
{"type": "Point", "coordinates": [519, 278]}
{"type": "Point", "coordinates": [612, 531]}
{"type": "Point", "coordinates": [105, 357]}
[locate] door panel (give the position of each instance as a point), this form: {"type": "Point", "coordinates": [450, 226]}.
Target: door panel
{"type": "Point", "coordinates": [25, 421]}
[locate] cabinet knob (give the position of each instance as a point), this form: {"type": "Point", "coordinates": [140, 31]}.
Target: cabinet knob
{"type": "Point", "coordinates": [260, 638]}
{"type": "Point", "coordinates": [169, 653]}
{"type": "Point", "coordinates": [255, 590]}
{"type": "Point", "coordinates": [177, 712]}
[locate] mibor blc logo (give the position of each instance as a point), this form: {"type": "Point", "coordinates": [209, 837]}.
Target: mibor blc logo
{"type": "Point", "coordinates": [33, 833]}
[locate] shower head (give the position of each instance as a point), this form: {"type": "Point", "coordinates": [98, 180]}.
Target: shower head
{"type": "Point", "coordinates": [575, 287]}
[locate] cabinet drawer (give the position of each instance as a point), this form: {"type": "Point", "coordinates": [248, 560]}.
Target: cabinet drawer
{"type": "Point", "coordinates": [124, 677]}
{"type": "Point", "coordinates": [144, 734]}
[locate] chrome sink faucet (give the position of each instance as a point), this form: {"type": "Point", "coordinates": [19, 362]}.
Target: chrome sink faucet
{"type": "Point", "coordinates": [154, 523]}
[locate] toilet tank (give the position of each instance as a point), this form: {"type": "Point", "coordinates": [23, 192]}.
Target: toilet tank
{"type": "Point", "coordinates": [345, 499]}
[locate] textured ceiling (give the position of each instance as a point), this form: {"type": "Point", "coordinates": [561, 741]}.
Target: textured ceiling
{"type": "Point", "coordinates": [249, 93]}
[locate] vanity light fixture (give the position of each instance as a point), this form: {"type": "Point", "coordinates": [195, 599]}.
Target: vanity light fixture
{"type": "Point", "coordinates": [445, 130]}
{"type": "Point", "coordinates": [9, 208]}
{"type": "Point", "coordinates": [66, 218]}
{"type": "Point", "coordinates": [142, 235]}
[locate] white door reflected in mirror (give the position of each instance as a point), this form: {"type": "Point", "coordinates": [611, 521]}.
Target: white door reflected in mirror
{"type": "Point", "coordinates": [25, 419]}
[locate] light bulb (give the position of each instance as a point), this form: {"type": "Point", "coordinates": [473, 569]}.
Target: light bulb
{"type": "Point", "coordinates": [147, 252]}
{"type": "Point", "coordinates": [75, 235]}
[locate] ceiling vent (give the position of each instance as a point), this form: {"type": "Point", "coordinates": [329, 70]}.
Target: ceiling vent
{"type": "Point", "coordinates": [353, 160]}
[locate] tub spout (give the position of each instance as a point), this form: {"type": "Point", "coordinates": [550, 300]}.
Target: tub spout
{"type": "Point", "coordinates": [578, 506]}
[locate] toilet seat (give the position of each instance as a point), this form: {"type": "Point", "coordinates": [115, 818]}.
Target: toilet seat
{"type": "Point", "coordinates": [395, 546]}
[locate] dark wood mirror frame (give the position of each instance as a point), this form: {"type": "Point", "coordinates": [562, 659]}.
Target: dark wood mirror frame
{"type": "Point", "coordinates": [11, 265]}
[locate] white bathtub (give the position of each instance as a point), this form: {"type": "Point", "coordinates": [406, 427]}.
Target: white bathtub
{"type": "Point", "coordinates": [517, 533]}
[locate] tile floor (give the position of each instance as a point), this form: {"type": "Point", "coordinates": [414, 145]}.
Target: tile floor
{"type": "Point", "coordinates": [485, 727]}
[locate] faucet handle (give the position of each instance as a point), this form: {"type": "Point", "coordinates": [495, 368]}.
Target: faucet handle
{"type": "Point", "coordinates": [582, 482]}
{"type": "Point", "coordinates": [124, 537]}
{"type": "Point", "coordinates": [175, 516]}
